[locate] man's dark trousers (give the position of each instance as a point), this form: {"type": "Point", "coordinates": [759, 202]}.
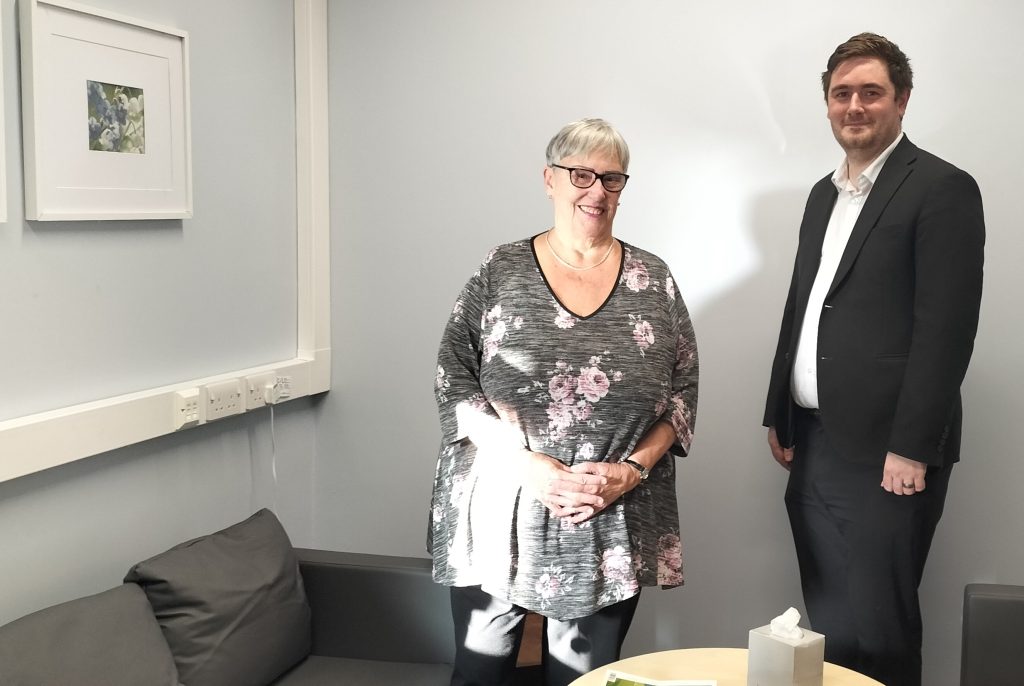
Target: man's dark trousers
{"type": "Point", "coordinates": [861, 552]}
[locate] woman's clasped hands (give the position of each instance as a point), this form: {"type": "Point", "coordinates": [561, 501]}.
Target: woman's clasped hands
{"type": "Point", "coordinates": [579, 492]}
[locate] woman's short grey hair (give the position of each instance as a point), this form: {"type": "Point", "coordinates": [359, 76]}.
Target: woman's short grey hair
{"type": "Point", "coordinates": [587, 136]}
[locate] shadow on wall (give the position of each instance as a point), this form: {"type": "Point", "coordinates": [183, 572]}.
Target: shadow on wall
{"type": "Point", "coordinates": [738, 553]}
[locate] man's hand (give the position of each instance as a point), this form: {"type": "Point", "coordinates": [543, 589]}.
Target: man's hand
{"type": "Point", "coordinates": [784, 456]}
{"type": "Point", "coordinates": [903, 476]}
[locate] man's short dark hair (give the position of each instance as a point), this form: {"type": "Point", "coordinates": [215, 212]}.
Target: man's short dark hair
{"type": "Point", "coordinates": [873, 45]}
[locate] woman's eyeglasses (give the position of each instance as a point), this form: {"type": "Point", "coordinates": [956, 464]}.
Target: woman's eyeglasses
{"type": "Point", "coordinates": [613, 182]}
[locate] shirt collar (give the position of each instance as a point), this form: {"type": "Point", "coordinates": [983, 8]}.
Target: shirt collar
{"type": "Point", "coordinates": [870, 174]}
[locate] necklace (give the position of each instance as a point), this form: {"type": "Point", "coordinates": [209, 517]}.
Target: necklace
{"type": "Point", "coordinates": [547, 239]}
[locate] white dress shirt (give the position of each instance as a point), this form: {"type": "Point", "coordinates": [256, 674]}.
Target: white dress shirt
{"type": "Point", "coordinates": [851, 199]}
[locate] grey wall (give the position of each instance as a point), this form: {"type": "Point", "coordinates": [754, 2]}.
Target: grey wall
{"type": "Point", "coordinates": [90, 310]}
{"type": "Point", "coordinates": [440, 113]}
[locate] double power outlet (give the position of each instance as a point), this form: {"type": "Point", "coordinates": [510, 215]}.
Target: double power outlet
{"type": "Point", "coordinates": [221, 399]}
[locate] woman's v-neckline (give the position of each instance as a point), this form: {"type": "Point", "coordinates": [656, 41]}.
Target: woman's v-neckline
{"type": "Point", "coordinates": [547, 284]}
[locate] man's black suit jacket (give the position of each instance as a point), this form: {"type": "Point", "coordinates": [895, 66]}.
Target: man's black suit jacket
{"type": "Point", "coordinates": [897, 328]}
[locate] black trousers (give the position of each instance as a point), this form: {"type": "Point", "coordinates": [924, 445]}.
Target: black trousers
{"type": "Point", "coordinates": [861, 552]}
{"type": "Point", "coordinates": [489, 630]}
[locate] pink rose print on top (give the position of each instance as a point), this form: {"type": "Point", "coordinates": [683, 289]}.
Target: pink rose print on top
{"type": "Point", "coordinates": [617, 565]}
{"type": "Point", "coordinates": [491, 316]}
{"type": "Point", "coordinates": [660, 407]}
{"type": "Point", "coordinates": [442, 384]}
{"type": "Point", "coordinates": [562, 388]}
{"type": "Point", "coordinates": [592, 384]}
{"type": "Point", "coordinates": [670, 560]}
{"type": "Point", "coordinates": [499, 328]}
{"type": "Point", "coordinates": [564, 320]}
{"type": "Point", "coordinates": [643, 333]}
{"type": "Point", "coordinates": [682, 420]}
{"type": "Point", "coordinates": [571, 396]}
{"type": "Point", "coordinates": [634, 274]}
{"type": "Point", "coordinates": [670, 288]}
{"type": "Point", "coordinates": [686, 351]}
{"type": "Point", "coordinates": [552, 582]}
{"type": "Point", "coordinates": [560, 419]}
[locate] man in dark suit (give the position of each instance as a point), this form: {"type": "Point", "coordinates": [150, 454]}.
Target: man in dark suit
{"type": "Point", "coordinates": [864, 402]}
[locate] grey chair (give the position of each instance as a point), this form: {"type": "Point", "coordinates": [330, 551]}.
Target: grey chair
{"type": "Point", "coordinates": [993, 636]}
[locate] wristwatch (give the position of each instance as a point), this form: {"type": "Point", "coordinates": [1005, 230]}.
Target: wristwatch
{"type": "Point", "coordinates": [644, 471]}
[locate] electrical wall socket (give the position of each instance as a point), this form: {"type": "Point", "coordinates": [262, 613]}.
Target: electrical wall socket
{"type": "Point", "coordinates": [279, 390]}
{"type": "Point", "coordinates": [223, 399]}
{"type": "Point", "coordinates": [255, 389]}
{"type": "Point", "coordinates": [186, 409]}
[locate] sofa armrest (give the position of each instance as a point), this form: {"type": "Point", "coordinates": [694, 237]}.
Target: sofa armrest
{"type": "Point", "coordinates": [377, 607]}
{"type": "Point", "coordinates": [992, 629]}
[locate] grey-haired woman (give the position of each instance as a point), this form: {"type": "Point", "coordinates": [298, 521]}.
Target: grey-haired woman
{"type": "Point", "coordinates": [566, 383]}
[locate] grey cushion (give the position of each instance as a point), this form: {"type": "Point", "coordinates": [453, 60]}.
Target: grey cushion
{"type": "Point", "coordinates": [107, 639]}
{"type": "Point", "coordinates": [332, 671]}
{"type": "Point", "coordinates": [231, 605]}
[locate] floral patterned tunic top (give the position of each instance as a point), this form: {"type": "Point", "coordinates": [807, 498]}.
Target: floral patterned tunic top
{"type": "Point", "coordinates": [577, 389]}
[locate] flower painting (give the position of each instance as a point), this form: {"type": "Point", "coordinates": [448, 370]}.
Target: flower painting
{"type": "Point", "coordinates": [117, 120]}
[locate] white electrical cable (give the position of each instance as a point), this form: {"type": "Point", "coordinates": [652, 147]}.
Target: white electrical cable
{"type": "Point", "coordinates": [273, 459]}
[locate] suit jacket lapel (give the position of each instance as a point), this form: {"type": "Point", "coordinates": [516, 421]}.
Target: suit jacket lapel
{"type": "Point", "coordinates": [894, 172]}
{"type": "Point", "coordinates": [816, 218]}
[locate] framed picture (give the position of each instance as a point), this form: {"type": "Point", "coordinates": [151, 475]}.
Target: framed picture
{"type": "Point", "coordinates": [3, 136]}
{"type": "Point", "coordinates": [105, 113]}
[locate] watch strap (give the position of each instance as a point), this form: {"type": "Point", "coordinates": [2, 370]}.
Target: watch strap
{"type": "Point", "coordinates": [644, 471]}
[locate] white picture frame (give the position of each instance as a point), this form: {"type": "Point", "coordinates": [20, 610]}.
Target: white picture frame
{"type": "Point", "coordinates": [106, 117]}
{"type": "Point", "coordinates": [3, 135]}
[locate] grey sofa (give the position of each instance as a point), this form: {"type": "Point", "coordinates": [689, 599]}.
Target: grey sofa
{"type": "Point", "coordinates": [375, 620]}
{"type": "Point", "coordinates": [241, 607]}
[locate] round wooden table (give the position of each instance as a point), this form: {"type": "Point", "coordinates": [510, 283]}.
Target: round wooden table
{"type": "Point", "coordinates": [727, 665]}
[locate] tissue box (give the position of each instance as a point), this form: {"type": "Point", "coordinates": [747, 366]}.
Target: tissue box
{"type": "Point", "coordinates": [777, 661]}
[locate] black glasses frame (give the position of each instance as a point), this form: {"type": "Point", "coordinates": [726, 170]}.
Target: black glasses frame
{"type": "Point", "coordinates": [597, 177]}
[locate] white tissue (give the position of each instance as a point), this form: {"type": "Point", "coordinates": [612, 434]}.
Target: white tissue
{"type": "Point", "coordinates": [787, 624]}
